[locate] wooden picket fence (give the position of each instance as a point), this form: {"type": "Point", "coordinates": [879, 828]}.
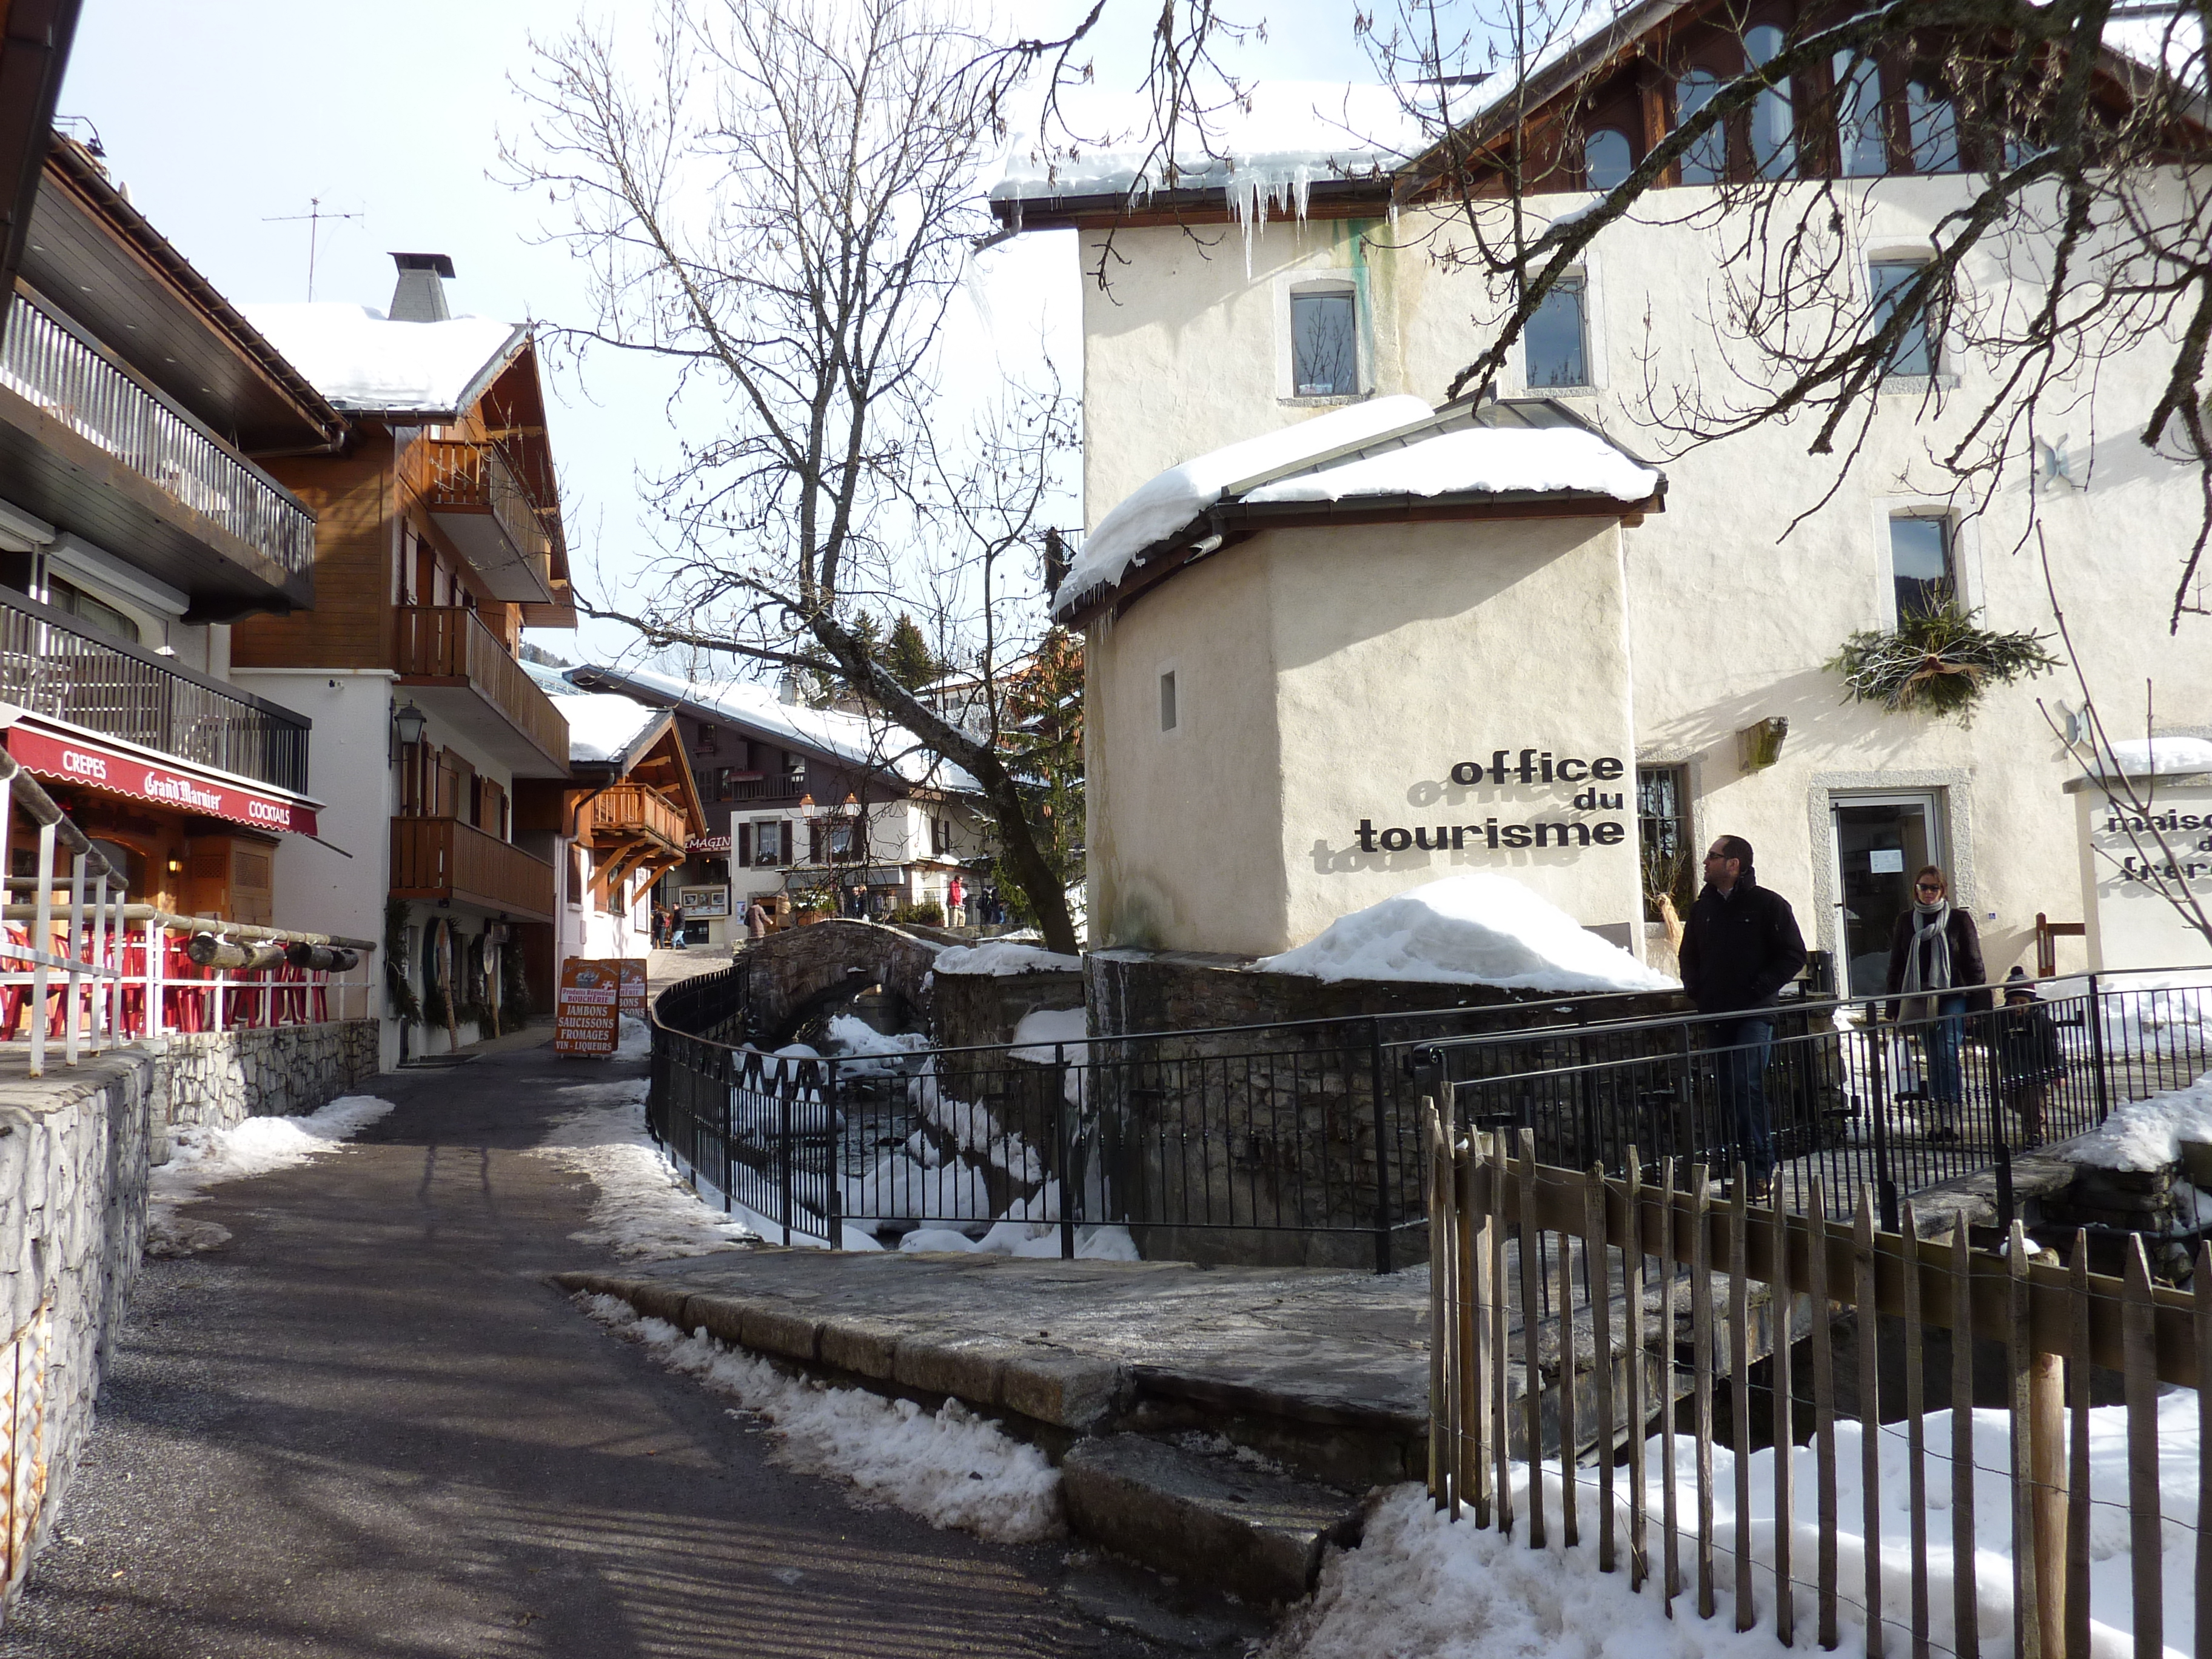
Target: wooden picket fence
{"type": "Point", "coordinates": [1627, 1253]}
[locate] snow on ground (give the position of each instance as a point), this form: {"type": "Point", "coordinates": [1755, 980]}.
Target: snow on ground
{"type": "Point", "coordinates": [642, 1210]}
{"type": "Point", "coordinates": [951, 1468]}
{"type": "Point", "coordinates": [635, 1042]}
{"type": "Point", "coordinates": [1475, 929]}
{"type": "Point", "coordinates": [1001, 957]}
{"type": "Point", "coordinates": [1420, 1586]}
{"type": "Point", "coordinates": [203, 1157]}
{"type": "Point", "coordinates": [863, 1051]}
{"type": "Point", "coordinates": [1041, 1029]}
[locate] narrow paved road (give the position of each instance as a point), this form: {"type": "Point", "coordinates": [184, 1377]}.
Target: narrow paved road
{"type": "Point", "coordinates": [366, 1427]}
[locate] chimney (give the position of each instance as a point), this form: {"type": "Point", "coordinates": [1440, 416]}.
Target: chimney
{"type": "Point", "coordinates": [420, 296]}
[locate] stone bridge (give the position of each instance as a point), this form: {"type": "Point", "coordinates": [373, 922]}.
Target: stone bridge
{"type": "Point", "coordinates": [791, 973]}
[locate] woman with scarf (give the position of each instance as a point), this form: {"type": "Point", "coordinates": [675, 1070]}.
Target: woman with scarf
{"type": "Point", "coordinates": [1935, 973]}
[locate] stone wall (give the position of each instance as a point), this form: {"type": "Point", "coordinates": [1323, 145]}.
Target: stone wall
{"type": "Point", "coordinates": [1272, 1140]}
{"type": "Point", "coordinates": [73, 1165]}
{"type": "Point", "coordinates": [212, 1079]}
{"type": "Point", "coordinates": [970, 1010]}
{"type": "Point", "coordinates": [791, 968]}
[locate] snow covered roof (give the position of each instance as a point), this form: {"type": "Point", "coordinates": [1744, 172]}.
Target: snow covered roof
{"type": "Point", "coordinates": [553, 681]}
{"type": "Point", "coordinates": [1474, 929]}
{"type": "Point", "coordinates": [365, 363]}
{"type": "Point", "coordinates": [2144, 757]}
{"type": "Point", "coordinates": [1268, 147]}
{"type": "Point", "coordinates": [873, 743]}
{"type": "Point", "coordinates": [603, 727]}
{"type": "Point", "coordinates": [1372, 454]}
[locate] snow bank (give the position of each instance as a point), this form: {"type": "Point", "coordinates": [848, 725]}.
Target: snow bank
{"type": "Point", "coordinates": [1000, 957]}
{"type": "Point", "coordinates": [1478, 459]}
{"type": "Point", "coordinates": [1475, 929]}
{"type": "Point", "coordinates": [863, 1051]}
{"type": "Point", "coordinates": [1028, 1238]}
{"type": "Point", "coordinates": [204, 1157]}
{"type": "Point", "coordinates": [635, 1042]}
{"type": "Point", "coordinates": [360, 359]}
{"type": "Point", "coordinates": [602, 726]}
{"type": "Point", "coordinates": [642, 1210]}
{"type": "Point", "coordinates": [1421, 1586]}
{"type": "Point", "coordinates": [1042, 1028]}
{"type": "Point", "coordinates": [2146, 1134]}
{"type": "Point", "coordinates": [951, 1468]}
{"type": "Point", "coordinates": [2140, 757]}
{"type": "Point", "coordinates": [1165, 504]}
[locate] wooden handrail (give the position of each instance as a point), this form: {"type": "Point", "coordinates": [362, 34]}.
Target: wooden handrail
{"type": "Point", "coordinates": [444, 857]}
{"type": "Point", "coordinates": [451, 641]}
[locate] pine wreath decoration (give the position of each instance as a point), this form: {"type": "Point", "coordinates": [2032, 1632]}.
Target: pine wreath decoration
{"type": "Point", "coordinates": [1936, 662]}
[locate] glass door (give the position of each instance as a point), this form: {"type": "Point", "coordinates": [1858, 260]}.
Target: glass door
{"type": "Point", "coordinates": [1879, 841]}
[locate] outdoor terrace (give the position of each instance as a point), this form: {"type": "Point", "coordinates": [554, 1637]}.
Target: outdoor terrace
{"type": "Point", "coordinates": [456, 667]}
{"type": "Point", "coordinates": [476, 499]}
{"type": "Point", "coordinates": [446, 859]}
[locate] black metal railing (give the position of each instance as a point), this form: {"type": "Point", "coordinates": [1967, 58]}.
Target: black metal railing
{"type": "Point", "coordinates": [1303, 1137]}
{"type": "Point", "coordinates": [54, 664]}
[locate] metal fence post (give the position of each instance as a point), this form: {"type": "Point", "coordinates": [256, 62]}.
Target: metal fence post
{"type": "Point", "coordinates": [2097, 1049]}
{"type": "Point", "coordinates": [1066, 1153]}
{"type": "Point", "coordinates": [1885, 1177]}
{"type": "Point", "coordinates": [1382, 1148]}
{"type": "Point", "coordinates": [783, 1154]}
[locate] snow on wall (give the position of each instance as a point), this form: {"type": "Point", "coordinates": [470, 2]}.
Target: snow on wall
{"type": "Point", "coordinates": [1000, 957]}
{"type": "Point", "coordinates": [2140, 757]}
{"type": "Point", "coordinates": [1472, 929]}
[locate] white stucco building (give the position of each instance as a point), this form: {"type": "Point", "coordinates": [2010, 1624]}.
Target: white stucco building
{"type": "Point", "coordinates": [1260, 686]}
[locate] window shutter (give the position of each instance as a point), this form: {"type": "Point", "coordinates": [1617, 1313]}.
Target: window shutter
{"type": "Point", "coordinates": [744, 847]}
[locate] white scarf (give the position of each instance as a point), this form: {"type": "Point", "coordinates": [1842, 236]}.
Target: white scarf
{"type": "Point", "coordinates": [1933, 929]}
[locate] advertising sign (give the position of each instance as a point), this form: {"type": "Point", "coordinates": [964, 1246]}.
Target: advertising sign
{"type": "Point", "coordinates": [586, 1006]}
{"type": "Point", "coordinates": [698, 845]}
{"type": "Point", "coordinates": [121, 773]}
{"type": "Point", "coordinates": [703, 903]}
{"type": "Point", "coordinates": [632, 969]}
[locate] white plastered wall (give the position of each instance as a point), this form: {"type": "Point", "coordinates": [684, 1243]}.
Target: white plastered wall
{"type": "Point", "coordinates": [1733, 609]}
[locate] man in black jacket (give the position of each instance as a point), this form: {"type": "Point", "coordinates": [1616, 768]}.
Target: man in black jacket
{"type": "Point", "coordinates": [1740, 947]}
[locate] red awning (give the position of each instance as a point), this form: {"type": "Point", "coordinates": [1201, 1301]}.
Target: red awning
{"type": "Point", "coordinates": [117, 770]}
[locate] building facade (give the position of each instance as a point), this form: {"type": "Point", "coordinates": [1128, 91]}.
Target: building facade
{"type": "Point", "coordinates": [1715, 619]}
{"type": "Point", "coordinates": [137, 531]}
{"type": "Point", "coordinates": [805, 808]}
{"type": "Point", "coordinates": [440, 540]}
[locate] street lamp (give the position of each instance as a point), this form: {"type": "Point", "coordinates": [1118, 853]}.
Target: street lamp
{"type": "Point", "coordinates": [407, 725]}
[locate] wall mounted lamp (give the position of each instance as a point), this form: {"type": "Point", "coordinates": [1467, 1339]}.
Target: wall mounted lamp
{"type": "Point", "coordinates": [407, 728]}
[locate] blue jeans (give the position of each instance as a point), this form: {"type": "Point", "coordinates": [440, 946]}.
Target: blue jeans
{"type": "Point", "coordinates": [1941, 1039]}
{"type": "Point", "coordinates": [1741, 1048]}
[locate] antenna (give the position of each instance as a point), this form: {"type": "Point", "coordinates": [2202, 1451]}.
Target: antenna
{"type": "Point", "coordinates": [314, 216]}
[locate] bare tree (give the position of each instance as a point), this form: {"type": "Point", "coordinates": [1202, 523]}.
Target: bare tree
{"type": "Point", "coordinates": [780, 200]}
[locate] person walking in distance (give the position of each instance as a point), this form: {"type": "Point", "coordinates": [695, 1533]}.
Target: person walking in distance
{"type": "Point", "coordinates": [1740, 946]}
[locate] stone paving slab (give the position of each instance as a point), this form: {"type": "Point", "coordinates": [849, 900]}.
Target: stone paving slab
{"type": "Point", "coordinates": [1315, 1345]}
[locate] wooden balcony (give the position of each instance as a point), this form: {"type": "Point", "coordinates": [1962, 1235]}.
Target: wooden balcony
{"type": "Point", "coordinates": [487, 513]}
{"type": "Point", "coordinates": [465, 675]}
{"type": "Point", "coordinates": [630, 811]}
{"type": "Point", "coordinates": [446, 859]}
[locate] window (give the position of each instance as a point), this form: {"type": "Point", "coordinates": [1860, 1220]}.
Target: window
{"type": "Point", "coordinates": [1607, 159]}
{"type": "Point", "coordinates": [1920, 565]}
{"type": "Point", "coordinates": [67, 596]}
{"type": "Point", "coordinates": [1915, 352]}
{"type": "Point", "coordinates": [1933, 128]}
{"type": "Point", "coordinates": [1773, 120]}
{"type": "Point", "coordinates": [1861, 144]}
{"type": "Point", "coordinates": [794, 771]}
{"type": "Point", "coordinates": [1705, 161]}
{"type": "Point", "coordinates": [940, 837]}
{"type": "Point", "coordinates": [843, 842]}
{"type": "Point", "coordinates": [1324, 345]}
{"type": "Point", "coordinates": [1168, 700]}
{"type": "Point", "coordinates": [1663, 842]}
{"type": "Point", "coordinates": [708, 736]}
{"type": "Point", "coordinates": [768, 843]}
{"type": "Point", "coordinates": [1557, 343]}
